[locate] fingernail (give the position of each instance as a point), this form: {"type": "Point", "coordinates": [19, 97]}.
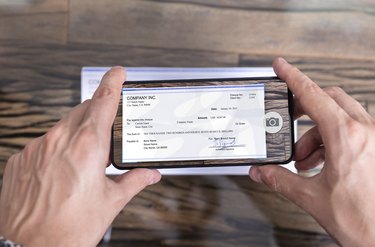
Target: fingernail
{"type": "Point", "coordinates": [255, 174]}
{"type": "Point", "coordinates": [282, 60]}
{"type": "Point", "coordinates": [155, 177]}
{"type": "Point", "coordinates": [117, 67]}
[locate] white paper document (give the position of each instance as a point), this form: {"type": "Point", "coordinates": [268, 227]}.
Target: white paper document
{"type": "Point", "coordinates": [213, 122]}
{"type": "Point", "coordinates": [147, 133]}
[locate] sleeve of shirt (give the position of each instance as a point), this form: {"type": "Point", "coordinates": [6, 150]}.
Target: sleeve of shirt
{"type": "Point", "coordinates": [7, 243]}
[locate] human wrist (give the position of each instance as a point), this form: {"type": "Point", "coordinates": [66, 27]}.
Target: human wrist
{"type": "Point", "coordinates": [353, 236]}
{"type": "Point", "coordinates": [361, 239]}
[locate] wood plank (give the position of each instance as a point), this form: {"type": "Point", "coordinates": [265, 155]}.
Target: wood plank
{"type": "Point", "coordinates": [213, 219]}
{"type": "Point", "coordinates": [290, 5]}
{"type": "Point", "coordinates": [34, 20]}
{"type": "Point", "coordinates": [20, 7]}
{"type": "Point", "coordinates": [323, 32]}
{"type": "Point", "coordinates": [285, 237]}
{"type": "Point", "coordinates": [38, 27]}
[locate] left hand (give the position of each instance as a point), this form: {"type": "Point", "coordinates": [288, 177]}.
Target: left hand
{"type": "Point", "coordinates": [55, 192]}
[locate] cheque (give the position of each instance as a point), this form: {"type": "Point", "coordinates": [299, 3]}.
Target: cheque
{"type": "Point", "coordinates": [193, 123]}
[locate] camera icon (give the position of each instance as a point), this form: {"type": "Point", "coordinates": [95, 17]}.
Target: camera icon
{"type": "Point", "coordinates": [272, 122]}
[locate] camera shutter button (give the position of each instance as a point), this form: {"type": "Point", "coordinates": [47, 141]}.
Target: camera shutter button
{"type": "Point", "coordinates": [272, 122]}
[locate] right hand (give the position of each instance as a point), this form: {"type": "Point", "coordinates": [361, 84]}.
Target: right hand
{"type": "Point", "coordinates": [342, 196]}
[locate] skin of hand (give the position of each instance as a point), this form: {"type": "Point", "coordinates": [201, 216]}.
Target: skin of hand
{"type": "Point", "coordinates": [342, 196]}
{"type": "Point", "coordinates": [55, 192]}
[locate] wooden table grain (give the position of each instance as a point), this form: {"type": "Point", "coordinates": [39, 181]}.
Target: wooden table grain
{"type": "Point", "coordinates": [44, 44]}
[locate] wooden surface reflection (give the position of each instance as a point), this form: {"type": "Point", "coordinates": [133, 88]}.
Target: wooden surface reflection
{"type": "Point", "coordinates": [44, 44]}
{"type": "Point", "coordinates": [215, 211]}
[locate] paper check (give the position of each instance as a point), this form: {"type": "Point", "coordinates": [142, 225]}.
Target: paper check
{"type": "Point", "coordinates": [193, 123]}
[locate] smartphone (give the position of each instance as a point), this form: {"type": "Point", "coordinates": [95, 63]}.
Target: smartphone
{"type": "Point", "coordinates": [203, 123]}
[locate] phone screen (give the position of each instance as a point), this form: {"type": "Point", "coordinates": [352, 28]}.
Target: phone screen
{"type": "Point", "coordinates": [203, 123]}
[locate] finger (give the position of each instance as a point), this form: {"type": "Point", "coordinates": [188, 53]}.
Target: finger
{"type": "Point", "coordinates": [309, 142]}
{"type": "Point", "coordinates": [277, 178]}
{"type": "Point", "coordinates": [109, 162]}
{"type": "Point", "coordinates": [133, 182]}
{"type": "Point", "coordinates": [318, 105]}
{"type": "Point", "coordinates": [352, 107]}
{"type": "Point", "coordinates": [104, 103]}
{"type": "Point", "coordinates": [297, 109]}
{"type": "Point", "coordinates": [316, 158]}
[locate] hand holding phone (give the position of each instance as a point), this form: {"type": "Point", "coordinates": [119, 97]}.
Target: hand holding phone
{"type": "Point", "coordinates": [210, 122]}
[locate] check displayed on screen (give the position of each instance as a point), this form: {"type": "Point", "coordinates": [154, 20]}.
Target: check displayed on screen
{"type": "Point", "coordinates": [193, 123]}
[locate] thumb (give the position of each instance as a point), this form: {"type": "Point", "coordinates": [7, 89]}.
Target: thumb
{"type": "Point", "coordinates": [279, 179]}
{"type": "Point", "coordinates": [132, 182]}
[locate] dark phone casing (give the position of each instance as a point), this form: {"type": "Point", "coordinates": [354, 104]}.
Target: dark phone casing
{"type": "Point", "coordinates": [205, 163]}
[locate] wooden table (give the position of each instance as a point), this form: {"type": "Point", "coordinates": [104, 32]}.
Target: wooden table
{"type": "Point", "coordinates": [44, 44]}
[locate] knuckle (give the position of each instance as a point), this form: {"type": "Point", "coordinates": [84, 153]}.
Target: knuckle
{"type": "Point", "coordinates": [353, 126]}
{"type": "Point", "coordinates": [105, 92]}
{"type": "Point", "coordinates": [29, 147]}
{"type": "Point", "coordinates": [334, 91]}
{"type": "Point", "coordinates": [12, 158]}
{"type": "Point", "coordinates": [9, 163]}
{"type": "Point", "coordinates": [87, 134]}
{"type": "Point", "coordinates": [83, 144]}
{"type": "Point", "coordinates": [310, 87]}
{"type": "Point", "coordinates": [270, 180]}
{"type": "Point", "coordinates": [50, 142]}
{"type": "Point", "coordinates": [28, 151]}
{"type": "Point", "coordinates": [293, 74]}
{"type": "Point", "coordinates": [355, 130]}
{"type": "Point", "coordinates": [52, 135]}
{"type": "Point", "coordinates": [358, 136]}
